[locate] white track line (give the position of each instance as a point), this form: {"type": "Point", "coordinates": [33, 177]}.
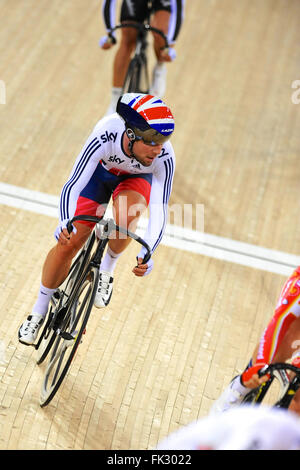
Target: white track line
{"type": "Point", "coordinates": [177, 237]}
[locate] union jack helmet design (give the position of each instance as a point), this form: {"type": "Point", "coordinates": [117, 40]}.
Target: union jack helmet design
{"type": "Point", "coordinates": [147, 116]}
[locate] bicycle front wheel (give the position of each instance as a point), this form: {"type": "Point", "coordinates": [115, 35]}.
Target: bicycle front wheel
{"type": "Point", "coordinates": [58, 300]}
{"type": "Point", "coordinates": [47, 339]}
{"type": "Point", "coordinates": [69, 336]}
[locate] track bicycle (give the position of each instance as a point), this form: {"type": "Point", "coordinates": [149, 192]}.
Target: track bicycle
{"type": "Point", "coordinates": [72, 303]}
{"type": "Point", "coordinates": [288, 382]}
{"type": "Point", "coordinates": [137, 76]}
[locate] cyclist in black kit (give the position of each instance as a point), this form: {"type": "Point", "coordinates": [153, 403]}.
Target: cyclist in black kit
{"type": "Point", "coordinates": [166, 15]}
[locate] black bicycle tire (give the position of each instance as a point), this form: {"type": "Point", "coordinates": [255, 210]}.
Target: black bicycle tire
{"type": "Point", "coordinates": [85, 252]}
{"type": "Point", "coordinates": [131, 77]}
{"type": "Point", "coordinates": [144, 70]}
{"type": "Point", "coordinates": [48, 347]}
{"type": "Point", "coordinates": [94, 282]}
{"type": "Point", "coordinates": [132, 82]}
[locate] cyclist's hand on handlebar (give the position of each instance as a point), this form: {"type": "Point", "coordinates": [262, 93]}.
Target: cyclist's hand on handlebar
{"type": "Point", "coordinates": [61, 233]}
{"type": "Point", "coordinates": [168, 54]}
{"type": "Point", "coordinates": [143, 269]}
{"type": "Point", "coordinates": [106, 42]}
{"type": "Point", "coordinates": [250, 377]}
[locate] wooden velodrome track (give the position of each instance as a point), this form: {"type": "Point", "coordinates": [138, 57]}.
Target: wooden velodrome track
{"type": "Point", "coordinates": [167, 345]}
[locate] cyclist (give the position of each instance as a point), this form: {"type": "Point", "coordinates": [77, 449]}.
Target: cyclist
{"type": "Point", "coordinates": [128, 157]}
{"type": "Point", "coordinates": [167, 15]}
{"type": "Point", "coordinates": [242, 428]}
{"type": "Point", "coordinates": [279, 342]}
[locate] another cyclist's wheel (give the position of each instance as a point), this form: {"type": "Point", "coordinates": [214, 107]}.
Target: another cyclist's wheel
{"type": "Point", "coordinates": [136, 80]}
{"type": "Point", "coordinates": [69, 336]}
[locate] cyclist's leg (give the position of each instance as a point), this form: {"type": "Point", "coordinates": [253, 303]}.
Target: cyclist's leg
{"type": "Point", "coordinates": [130, 199]}
{"type": "Point", "coordinates": [128, 206]}
{"type": "Point", "coordinates": [122, 57]}
{"type": "Point", "coordinates": [160, 20]}
{"type": "Point", "coordinates": [93, 201]}
{"type": "Point", "coordinates": [59, 258]}
{"type": "Point", "coordinates": [55, 270]}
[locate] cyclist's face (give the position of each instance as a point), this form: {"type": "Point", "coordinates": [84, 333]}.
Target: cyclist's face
{"type": "Point", "coordinates": [146, 153]}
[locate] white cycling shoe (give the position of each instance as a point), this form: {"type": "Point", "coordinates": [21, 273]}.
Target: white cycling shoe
{"type": "Point", "coordinates": [104, 289]}
{"type": "Point", "coordinates": [159, 81]}
{"type": "Point", "coordinates": [29, 329]}
{"type": "Point", "coordinates": [232, 396]}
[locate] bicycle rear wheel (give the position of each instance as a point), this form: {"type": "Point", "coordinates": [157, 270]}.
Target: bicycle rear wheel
{"type": "Point", "coordinates": [69, 336]}
{"type": "Point", "coordinates": [136, 80]}
{"type": "Point", "coordinates": [57, 309]}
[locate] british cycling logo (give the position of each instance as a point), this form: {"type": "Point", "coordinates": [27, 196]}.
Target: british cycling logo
{"type": "Point", "coordinates": [2, 92]}
{"type": "Point", "coordinates": [296, 95]}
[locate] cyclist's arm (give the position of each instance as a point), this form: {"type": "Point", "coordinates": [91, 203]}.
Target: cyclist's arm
{"type": "Point", "coordinates": [250, 377]}
{"type": "Point", "coordinates": [176, 20]}
{"type": "Point", "coordinates": [81, 173]}
{"type": "Point", "coordinates": [174, 26]}
{"type": "Point", "coordinates": [159, 199]}
{"type": "Point", "coordinates": [109, 14]}
{"type": "Point", "coordinates": [286, 312]}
